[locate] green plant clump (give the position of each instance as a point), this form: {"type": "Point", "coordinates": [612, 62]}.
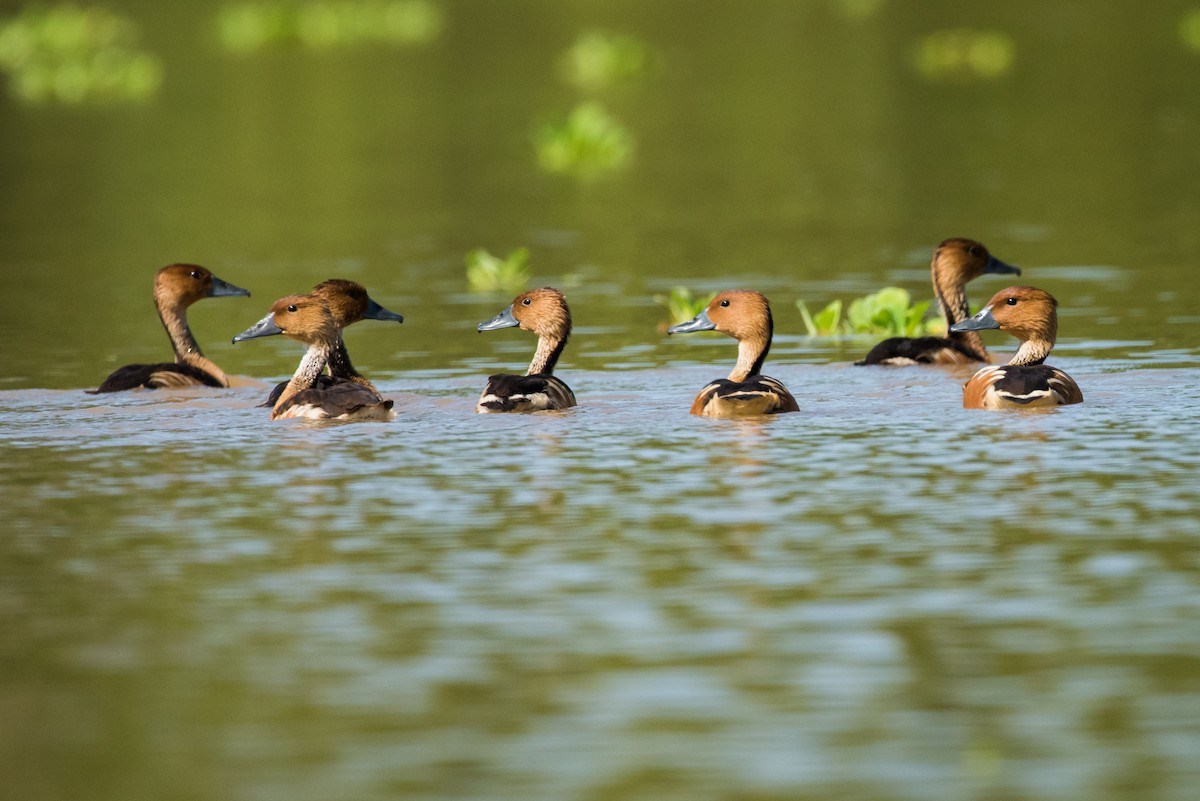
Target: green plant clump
{"type": "Point", "coordinates": [599, 59]}
{"type": "Point", "coordinates": [589, 142]}
{"type": "Point", "coordinates": [74, 54]}
{"type": "Point", "coordinates": [1189, 30]}
{"type": "Point", "coordinates": [326, 24]}
{"type": "Point", "coordinates": [964, 55]}
{"type": "Point", "coordinates": [888, 312]}
{"type": "Point", "coordinates": [488, 273]}
{"type": "Point", "coordinates": [682, 305]}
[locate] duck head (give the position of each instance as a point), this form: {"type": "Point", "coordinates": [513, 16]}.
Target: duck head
{"type": "Point", "coordinates": [740, 313]}
{"type": "Point", "coordinates": [184, 284]}
{"type": "Point", "coordinates": [349, 302]}
{"type": "Point", "coordinates": [543, 311]}
{"type": "Point", "coordinates": [301, 317]}
{"type": "Point", "coordinates": [1023, 311]}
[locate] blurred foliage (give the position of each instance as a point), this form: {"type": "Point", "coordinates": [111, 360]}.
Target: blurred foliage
{"type": "Point", "coordinates": [888, 312]}
{"type": "Point", "coordinates": [488, 273]}
{"type": "Point", "coordinates": [682, 305]}
{"type": "Point", "coordinates": [587, 143]}
{"type": "Point", "coordinates": [599, 59]}
{"type": "Point", "coordinates": [326, 24]}
{"type": "Point", "coordinates": [74, 54]}
{"type": "Point", "coordinates": [964, 55]}
{"type": "Point", "coordinates": [1189, 30]}
{"type": "Point", "coordinates": [857, 9]}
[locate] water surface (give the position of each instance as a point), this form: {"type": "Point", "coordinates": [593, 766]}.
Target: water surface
{"type": "Point", "coordinates": [883, 596]}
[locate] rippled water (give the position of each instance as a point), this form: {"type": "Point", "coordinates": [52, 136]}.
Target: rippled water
{"type": "Point", "coordinates": [881, 596]}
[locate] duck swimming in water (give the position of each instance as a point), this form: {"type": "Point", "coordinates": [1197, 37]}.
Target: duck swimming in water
{"type": "Point", "coordinates": [308, 319]}
{"type": "Point", "coordinates": [955, 262]}
{"type": "Point", "coordinates": [176, 287]}
{"type": "Point", "coordinates": [544, 312]}
{"type": "Point", "coordinates": [349, 303]}
{"type": "Point", "coordinates": [1031, 315]}
{"type": "Point", "coordinates": [745, 316]}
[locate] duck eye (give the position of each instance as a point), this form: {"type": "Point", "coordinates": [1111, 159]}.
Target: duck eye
{"type": "Point", "coordinates": [527, 301]}
{"type": "Point", "coordinates": [292, 307]}
{"type": "Point", "coordinates": [723, 303]}
{"type": "Point", "coordinates": [195, 274]}
{"type": "Point", "coordinates": [973, 250]}
{"type": "Point", "coordinates": [1011, 301]}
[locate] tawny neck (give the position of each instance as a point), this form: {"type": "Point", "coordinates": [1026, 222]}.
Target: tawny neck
{"type": "Point", "coordinates": [752, 353]}
{"type": "Point", "coordinates": [306, 373]}
{"type": "Point", "coordinates": [546, 356]}
{"type": "Point", "coordinates": [1032, 351]}
{"type": "Point", "coordinates": [187, 350]}
{"type": "Point", "coordinates": [952, 300]}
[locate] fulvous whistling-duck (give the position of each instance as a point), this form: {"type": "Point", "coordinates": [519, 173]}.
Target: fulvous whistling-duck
{"type": "Point", "coordinates": [1026, 381]}
{"type": "Point", "coordinates": [307, 319]}
{"type": "Point", "coordinates": [348, 302]}
{"type": "Point", "coordinates": [955, 262]}
{"type": "Point", "coordinates": [544, 312]}
{"type": "Point", "coordinates": [176, 287]}
{"type": "Point", "coordinates": [745, 316]}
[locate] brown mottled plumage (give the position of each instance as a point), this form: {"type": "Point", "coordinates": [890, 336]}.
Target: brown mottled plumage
{"type": "Point", "coordinates": [544, 312]}
{"type": "Point", "coordinates": [176, 287]}
{"type": "Point", "coordinates": [1026, 381]}
{"type": "Point", "coordinates": [745, 316]}
{"type": "Point", "coordinates": [308, 319]}
{"type": "Point", "coordinates": [955, 262]}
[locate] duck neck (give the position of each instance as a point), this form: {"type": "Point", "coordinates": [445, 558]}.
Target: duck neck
{"type": "Point", "coordinates": [751, 355]}
{"type": "Point", "coordinates": [306, 373]}
{"type": "Point", "coordinates": [1032, 351]}
{"type": "Point", "coordinates": [951, 296]}
{"type": "Point", "coordinates": [752, 352]}
{"type": "Point", "coordinates": [340, 366]}
{"type": "Point", "coordinates": [187, 350]}
{"type": "Point", "coordinates": [546, 356]}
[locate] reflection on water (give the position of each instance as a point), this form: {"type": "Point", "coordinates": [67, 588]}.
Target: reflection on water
{"type": "Point", "coordinates": [884, 597]}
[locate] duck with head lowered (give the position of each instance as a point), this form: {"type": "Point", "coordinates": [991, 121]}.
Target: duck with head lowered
{"type": "Point", "coordinates": [955, 262]}
{"type": "Point", "coordinates": [544, 312]}
{"type": "Point", "coordinates": [176, 287]}
{"type": "Point", "coordinates": [307, 319]}
{"type": "Point", "coordinates": [746, 316]}
{"type": "Point", "coordinates": [1026, 382]}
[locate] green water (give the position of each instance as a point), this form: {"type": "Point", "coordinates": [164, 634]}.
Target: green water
{"type": "Point", "coordinates": [883, 596]}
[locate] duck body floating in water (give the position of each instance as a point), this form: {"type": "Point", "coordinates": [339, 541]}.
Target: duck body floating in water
{"type": "Point", "coordinates": [176, 287]}
{"type": "Point", "coordinates": [1026, 382]}
{"type": "Point", "coordinates": [955, 262]}
{"type": "Point", "coordinates": [349, 303]}
{"type": "Point", "coordinates": [544, 312]}
{"type": "Point", "coordinates": [746, 316]}
{"type": "Point", "coordinates": [308, 319]}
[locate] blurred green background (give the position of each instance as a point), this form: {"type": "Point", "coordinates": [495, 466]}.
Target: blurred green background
{"type": "Point", "coordinates": [813, 150]}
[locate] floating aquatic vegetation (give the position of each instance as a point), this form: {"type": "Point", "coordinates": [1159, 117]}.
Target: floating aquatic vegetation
{"type": "Point", "coordinates": [588, 142]}
{"type": "Point", "coordinates": [326, 24]}
{"type": "Point", "coordinates": [488, 273]}
{"type": "Point", "coordinates": [1189, 30]}
{"type": "Point", "coordinates": [599, 59]}
{"type": "Point", "coordinates": [682, 305]}
{"type": "Point", "coordinates": [888, 312]}
{"type": "Point", "coordinates": [964, 55]}
{"type": "Point", "coordinates": [76, 54]}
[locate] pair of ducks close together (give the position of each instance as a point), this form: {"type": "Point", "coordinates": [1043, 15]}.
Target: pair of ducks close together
{"type": "Point", "coordinates": [318, 318]}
